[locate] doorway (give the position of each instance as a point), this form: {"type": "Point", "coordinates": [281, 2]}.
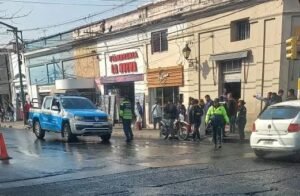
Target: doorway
{"type": "Point", "coordinates": [121, 90]}
{"type": "Point", "coordinates": [234, 88]}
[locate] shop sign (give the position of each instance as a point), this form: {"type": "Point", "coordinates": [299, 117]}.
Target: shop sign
{"type": "Point", "coordinates": [122, 78]}
{"type": "Point", "coordinates": [122, 63]}
{"type": "Point", "coordinates": [165, 77]}
{"type": "Point", "coordinates": [119, 66]}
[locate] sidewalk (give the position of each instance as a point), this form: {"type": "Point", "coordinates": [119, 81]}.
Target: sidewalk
{"type": "Point", "coordinates": [14, 125]}
{"type": "Point", "coordinates": [145, 133]}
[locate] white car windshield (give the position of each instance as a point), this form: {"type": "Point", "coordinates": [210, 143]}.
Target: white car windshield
{"type": "Point", "coordinates": [77, 103]}
{"type": "Point", "coordinates": [280, 113]}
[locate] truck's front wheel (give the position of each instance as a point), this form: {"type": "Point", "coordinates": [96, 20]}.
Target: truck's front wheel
{"type": "Point", "coordinates": [105, 138]}
{"type": "Point", "coordinates": [38, 131]}
{"type": "Point", "coordinates": [67, 133]}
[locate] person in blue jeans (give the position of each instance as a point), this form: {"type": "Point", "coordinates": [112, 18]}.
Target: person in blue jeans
{"type": "Point", "coordinates": [217, 115]}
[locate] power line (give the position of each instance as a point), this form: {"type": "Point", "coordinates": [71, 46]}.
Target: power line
{"type": "Point", "coordinates": [190, 27]}
{"type": "Point", "coordinates": [82, 18]}
{"type": "Point", "coordinates": [57, 3]}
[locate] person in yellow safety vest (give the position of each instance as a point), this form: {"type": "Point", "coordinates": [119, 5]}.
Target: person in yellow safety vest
{"type": "Point", "coordinates": [217, 116]}
{"type": "Point", "coordinates": [126, 116]}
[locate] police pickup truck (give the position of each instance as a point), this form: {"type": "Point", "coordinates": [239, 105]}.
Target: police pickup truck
{"type": "Point", "coordinates": [70, 116]}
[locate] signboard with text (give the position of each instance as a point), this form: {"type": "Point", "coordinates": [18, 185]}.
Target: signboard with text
{"type": "Point", "coordinates": [121, 63]}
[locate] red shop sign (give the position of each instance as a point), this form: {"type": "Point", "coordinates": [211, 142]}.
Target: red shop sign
{"type": "Point", "coordinates": [129, 67]}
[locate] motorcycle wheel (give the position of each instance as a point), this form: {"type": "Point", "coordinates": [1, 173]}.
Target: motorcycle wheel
{"type": "Point", "coordinates": [163, 134]}
{"type": "Point", "coordinates": [183, 132]}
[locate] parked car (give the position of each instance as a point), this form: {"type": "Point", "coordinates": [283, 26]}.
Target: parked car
{"type": "Point", "coordinates": [70, 116]}
{"type": "Point", "coordinates": [277, 129]}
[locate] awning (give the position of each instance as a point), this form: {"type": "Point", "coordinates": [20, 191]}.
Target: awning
{"type": "Point", "coordinates": [228, 56]}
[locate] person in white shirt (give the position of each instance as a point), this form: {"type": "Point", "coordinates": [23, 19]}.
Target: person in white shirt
{"type": "Point", "coordinates": [156, 114]}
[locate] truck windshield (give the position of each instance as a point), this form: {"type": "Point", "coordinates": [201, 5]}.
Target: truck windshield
{"type": "Point", "coordinates": [77, 103]}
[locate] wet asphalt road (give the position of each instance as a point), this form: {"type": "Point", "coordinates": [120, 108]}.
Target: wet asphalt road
{"type": "Point", "coordinates": [144, 167]}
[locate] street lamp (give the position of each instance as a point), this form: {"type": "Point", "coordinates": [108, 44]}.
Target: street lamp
{"type": "Point", "coordinates": [186, 51]}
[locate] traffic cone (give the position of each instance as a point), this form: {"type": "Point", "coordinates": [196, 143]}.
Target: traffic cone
{"type": "Point", "coordinates": [3, 151]}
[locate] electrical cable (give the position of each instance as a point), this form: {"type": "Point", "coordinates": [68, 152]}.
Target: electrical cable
{"type": "Point", "coordinates": [58, 3]}
{"type": "Point", "coordinates": [82, 18]}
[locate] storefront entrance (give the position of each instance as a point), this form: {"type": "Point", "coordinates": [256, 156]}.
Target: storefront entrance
{"type": "Point", "coordinates": [234, 88]}
{"type": "Point", "coordinates": [230, 76]}
{"type": "Point", "coordinates": [120, 89]}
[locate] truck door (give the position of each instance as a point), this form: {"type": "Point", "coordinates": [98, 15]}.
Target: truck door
{"type": "Point", "coordinates": [46, 113]}
{"type": "Point", "coordinates": [55, 119]}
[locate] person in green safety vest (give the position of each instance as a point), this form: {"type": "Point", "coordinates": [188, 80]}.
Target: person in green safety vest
{"type": "Point", "coordinates": [126, 116]}
{"type": "Point", "coordinates": [217, 116]}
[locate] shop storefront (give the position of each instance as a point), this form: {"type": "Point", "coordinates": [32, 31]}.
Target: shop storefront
{"type": "Point", "coordinates": [163, 84]}
{"type": "Point", "coordinates": [122, 74]}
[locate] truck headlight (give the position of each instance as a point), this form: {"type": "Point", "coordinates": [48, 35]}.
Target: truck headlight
{"type": "Point", "coordinates": [79, 118]}
{"type": "Point", "coordinates": [109, 118]}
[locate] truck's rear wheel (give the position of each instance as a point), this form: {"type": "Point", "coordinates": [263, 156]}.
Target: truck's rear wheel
{"type": "Point", "coordinates": [38, 131]}
{"type": "Point", "coordinates": [67, 133]}
{"type": "Point", "coordinates": [105, 138]}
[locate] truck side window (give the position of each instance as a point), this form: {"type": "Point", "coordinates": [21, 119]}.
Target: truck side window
{"type": "Point", "coordinates": [47, 103]}
{"type": "Point", "coordinates": [55, 102]}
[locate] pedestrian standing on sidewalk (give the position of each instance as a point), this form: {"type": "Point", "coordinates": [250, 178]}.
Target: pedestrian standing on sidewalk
{"type": "Point", "coordinates": [241, 118]}
{"type": "Point", "coordinates": [27, 107]}
{"type": "Point", "coordinates": [170, 112]}
{"type": "Point", "coordinates": [280, 95]}
{"type": "Point", "coordinates": [2, 113]}
{"type": "Point", "coordinates": [10, 112]}
{"type": "Point", "coordinates": [139, 115]}
{"type": "Point", "coordinates": [156, 114]}
{"type": "Point", "coordinates": [267, 100]}
{"type": "Point", "coordinates": [189, 108]}
{"type": "Point", "coordinates": [181, 110]}
{"type": "Point", "coordinates": [195, 117]}
{"type": "Point", "coordinates": [291, 95]}
{"type": "Point", "coordinates": [208, 103]}
{"type": "Point", "coordinates": [126, 116]}
{"type": "Point", "coordinates": [232, 109]}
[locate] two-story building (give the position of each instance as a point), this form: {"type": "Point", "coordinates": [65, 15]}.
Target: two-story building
{"type": "Point", "coordinates": [173, 50]}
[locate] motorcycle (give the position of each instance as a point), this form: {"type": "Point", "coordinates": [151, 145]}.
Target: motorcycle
{"type": "Point", "coordinates": [178, 126]}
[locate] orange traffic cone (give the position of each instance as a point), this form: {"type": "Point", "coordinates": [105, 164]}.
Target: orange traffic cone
{"type": "Point", "coordinates": [3, 151]}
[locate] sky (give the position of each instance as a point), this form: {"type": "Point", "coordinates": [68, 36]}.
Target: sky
{"type": "Point", "coordinates": [39, 14]}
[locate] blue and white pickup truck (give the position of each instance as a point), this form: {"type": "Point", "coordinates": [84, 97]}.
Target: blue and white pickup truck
{"type": "Point", "coordinates": [70, 116]}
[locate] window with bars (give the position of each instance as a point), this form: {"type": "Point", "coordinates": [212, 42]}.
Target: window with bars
{"type": "Point", "coordinates": [159, 41]}
{"type": "Point", "coordinates": [231, 66]}
{"type": "Point", "coordinates": [240, 30]}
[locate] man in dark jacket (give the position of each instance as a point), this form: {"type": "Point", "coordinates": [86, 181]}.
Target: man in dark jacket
{"type": "Point", "coordinates": [232, 108]}
{"type": "Point", "coordinates": [291, 95]}
{"type": "Point", "coordinates": [195, 117]}
{"type": "Point", "coordinates": [170, 113]}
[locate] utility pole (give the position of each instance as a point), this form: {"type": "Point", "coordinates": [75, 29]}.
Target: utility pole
{"type": "Point", "coordinates": [15, 31]}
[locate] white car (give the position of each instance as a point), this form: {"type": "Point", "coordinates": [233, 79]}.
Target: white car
{"type": "Point", "coordinates": [277, 129]}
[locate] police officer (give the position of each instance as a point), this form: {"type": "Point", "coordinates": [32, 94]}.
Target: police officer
{"type": "Point", "coordinates": [218, 117]}
{"type": "Point", "coordinates": [126, 116]}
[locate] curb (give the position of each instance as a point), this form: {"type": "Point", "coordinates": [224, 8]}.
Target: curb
{"type": "Point", "coordinates": [146, 134]}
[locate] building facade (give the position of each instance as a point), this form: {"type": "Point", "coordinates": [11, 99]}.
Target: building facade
{"type": "Point", "coordinates": [235, 46]}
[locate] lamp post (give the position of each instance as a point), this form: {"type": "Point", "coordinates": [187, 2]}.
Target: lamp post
{"type": "Point", "coordinates": [186, 51]}
{"type": "Point", "coordinates": [15, 31]}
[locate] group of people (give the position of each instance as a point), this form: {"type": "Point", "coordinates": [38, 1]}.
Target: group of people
{"type": "Point", "coordinates": [273, 97]}
{"type": "Point", "coordinates": [7, 113]}
{"type": "Point", "coordinates": [217, 113]}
